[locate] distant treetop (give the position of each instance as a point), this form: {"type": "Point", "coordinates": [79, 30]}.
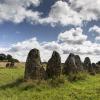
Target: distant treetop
{"type": "Point", "coordinates": [8, 58]}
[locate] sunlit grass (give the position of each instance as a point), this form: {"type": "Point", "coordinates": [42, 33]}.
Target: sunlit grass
{"type": "Point", "coordinates": [12, 87]}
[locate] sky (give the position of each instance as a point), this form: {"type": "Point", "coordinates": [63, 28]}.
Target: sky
{"type": "Point", "coordinates": [67, 26]}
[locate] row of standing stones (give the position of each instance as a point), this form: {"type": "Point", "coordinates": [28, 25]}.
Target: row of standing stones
{"type": "Point", "coordinates": [34, 69]}
{"type": "Point", "coordinates": [10, 65]}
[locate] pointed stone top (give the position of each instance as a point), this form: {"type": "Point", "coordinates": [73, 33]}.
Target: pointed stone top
{"type": "Point", "coordinates": [87, 59]}
{"type": "Point", "coordinates": [71, 55]}
{"type": "Point", "coordinates": [55, 54]}
{"type": "Point", "coordinates": [34, 51]}
{"type": "Point", "coordinates": [34, 57]}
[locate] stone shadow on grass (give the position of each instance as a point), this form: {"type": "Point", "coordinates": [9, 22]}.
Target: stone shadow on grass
{"type": "Point", "coordinates": [21, 85]}
{"type": "Point", "coordinates": [13, 84]}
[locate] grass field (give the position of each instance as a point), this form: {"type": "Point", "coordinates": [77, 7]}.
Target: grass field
{"type": "Point", "coordinates": [12, 88]}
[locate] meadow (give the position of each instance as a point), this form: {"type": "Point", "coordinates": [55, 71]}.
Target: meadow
{"type": "Point", "coordinates": [12, 87]}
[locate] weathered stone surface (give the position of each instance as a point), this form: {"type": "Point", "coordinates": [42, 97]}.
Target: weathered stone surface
{"type": "Point", "coordinates": [10, 65]}
{"type": "Point", "coordinates": [96, 67]}
{"type": "Point", "coordinates": [70, 65]}
{"type": "Point", "coordinates": [33, 66]}
{"type": "Point", "coordinates": [78, 63]}
{"type": "Point", "coordinates": [73, 64]}
{"type": "Point", "coordinates": [7, 65]}
{"type": "Point", "coordinates": [88, 66]}
{"type": "Point", "coordinates": [54, 66]}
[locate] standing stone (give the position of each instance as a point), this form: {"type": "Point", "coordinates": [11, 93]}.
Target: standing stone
{"type": "Point", "coordinates": [78, 63]}
{"type": "Point", "coordinates": [96, 67]}
{"type": "Point", "coordinates": [12, 64]}
{"type": "Point", "coordinates": [54, 66]}
{"type": "Point", "coordinates": [88, 66]}
{"type": "Point", "coordinates": [7, 65]}
{"type": "Point", "coordinates": [33, 66]}
{"type": "Point", "coordinates": [70, 65]}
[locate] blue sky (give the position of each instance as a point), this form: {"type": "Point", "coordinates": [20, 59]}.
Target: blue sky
{"type": "Point", "coordinates": [61, 25]}
{"type": "Point", "coordinates": [12, 33]}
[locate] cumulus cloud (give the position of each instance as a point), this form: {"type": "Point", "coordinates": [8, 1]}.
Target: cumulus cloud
{"type": "Point", "coordinates": [97, 39]}
{"type": "Point", "coordinates": [25, 3]}
{"type": "Point", "coordinates": [88, 9]}
{"type": "Point", "coordinates": [20, 50]}
{"type": "Point", "coordinates": [73, 36]}
{"type": "Point", "coordinates": [96, 30]}
{"type": "Point", "coordinates": [74, 12]}
{"type": "Point", "coordinates": [16, 11]}
{"type": "Point", "coordinates": [62, 12]}
{"type": "Point", "coordinates": [62, 45]}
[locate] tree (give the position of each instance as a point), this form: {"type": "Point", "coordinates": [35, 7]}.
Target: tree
{"type": "Point", "coordinates": [15, 60]}
{"type": "Point", "coordinates": [2, 57]}
{"type": "Point", "coordinates": [9, 58]}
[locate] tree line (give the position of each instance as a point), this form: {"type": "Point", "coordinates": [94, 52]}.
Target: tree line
{"type": "Point", "coordinates": [8, 58]}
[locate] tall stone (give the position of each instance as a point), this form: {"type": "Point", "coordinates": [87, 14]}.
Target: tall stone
{"type": "Point", "coordinates": [33, 66]}
{"type": "Point", "coordinates": [70, 65]}
{"type": "Point", "coordinates": [88, 66]}
{"type": "Point", "coordinates": [54, 66]}
{"type": "Point", "coordinates": [10, 64]}
{"type": "Point", "coordinates": [78, 63]}
{"type": "Point", "coordinates": [96, 67]}
{"type": "Point", "coordinates": [7, 65]}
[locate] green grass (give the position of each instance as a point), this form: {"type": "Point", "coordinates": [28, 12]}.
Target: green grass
{"type": "Point", "coordinates": [13, 88]}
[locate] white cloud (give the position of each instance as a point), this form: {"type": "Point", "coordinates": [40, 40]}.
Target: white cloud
{"type": "Point", "coordinates": [24, 3]}
{"type": "Point", "coordinates": [21, 49]}
{"type": "Point", "coordinates": [62, 13]}
{"type": "Point", "coordinates": [84, 48]}
{"type": "Point", "coordinates": [16, 11]}
{"type": "Point", "coordinates": [95, 28]}
{"type": "Point", "coordinates": [73, 36]}
{"type": "Point", "coordinates": [88, 9]}
{"type": "Point", "coordinates": [97, 39]}
{"type": "Point", "coordinates": [74, 13]}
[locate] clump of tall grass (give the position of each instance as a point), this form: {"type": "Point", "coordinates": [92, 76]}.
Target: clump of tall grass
{"type": "Point", "coordinates": [57, 81]}
{"type": "Point", "coordinates": [77, 76]}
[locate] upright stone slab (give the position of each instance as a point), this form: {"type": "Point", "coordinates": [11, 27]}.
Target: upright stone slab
{"type": "Point", "coordinates": [33, 66]}
{"type": "Point", "coordinates": [78, 63]}
{"type": "Point", "coordinates": [10, 65]}
{"type": "Point", "coordinates": [88, 66]}
{"type": "Point", "coordinates": [7, 65]}
{"type": "Point", "coordinates": [96, 67]}
{"type": "Point", "coordinates": [54, 66]}
{"type": "Point", "coordinates": [70, 65]}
